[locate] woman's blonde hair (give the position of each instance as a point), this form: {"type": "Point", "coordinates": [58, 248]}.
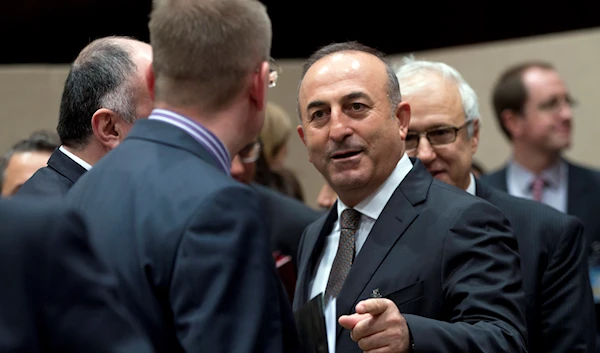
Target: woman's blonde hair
{"type": "Point", "coordinates": [275, 132]}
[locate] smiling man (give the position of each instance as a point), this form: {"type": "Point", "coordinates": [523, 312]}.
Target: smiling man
{"type": "Point", "coordinates": [444, 134]}
{"type": "Point", "coordinates": [446, 275]}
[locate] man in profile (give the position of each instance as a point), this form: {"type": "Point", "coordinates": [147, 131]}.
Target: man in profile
{"type": "Point", "coordinates": [104, 94]}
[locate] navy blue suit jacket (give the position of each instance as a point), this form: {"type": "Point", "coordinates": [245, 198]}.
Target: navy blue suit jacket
{"type": "Point", "coordinates": [560, 305]}
{"type": "Point", "coordinates": [447, 259]}
{"type": "Point", "coordinates": [189, 244]}
{"type": "Point", "coordinates": [55, 295]}
{"type": "Point", "coordinates": [53, 180]}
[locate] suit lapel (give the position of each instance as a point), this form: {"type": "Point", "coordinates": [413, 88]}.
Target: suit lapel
{"type": "Point", "coordinates": [392, 223]}
{"type": "Point", "coordinates": [312, 248]}
{"type": "Point", "coordinates": [65, 166]}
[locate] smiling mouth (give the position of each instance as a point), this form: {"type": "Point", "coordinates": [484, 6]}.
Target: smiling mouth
{"type": "Point", "coordinates": [345, 155]}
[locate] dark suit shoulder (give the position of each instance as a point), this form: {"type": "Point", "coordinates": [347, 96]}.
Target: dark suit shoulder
{"type": "Point", "coordinates": [441, 195]}
{"type": "Point", "coordinates": [550, 224]}
{"type": "Point", "coordinates": [46, 182]}
{"type": "Point", "coordinates": [283, 205]}
{"type": "Point", "coordinates": [496, 178]}
{"type": "Point", "coordinates": [55, 179]}
{"type": "Point", "coordinates": [581, 171]}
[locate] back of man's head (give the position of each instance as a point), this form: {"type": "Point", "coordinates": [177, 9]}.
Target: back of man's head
{"type": "Point", "coordinates": [204, 49]}
{"type": "Point", "coordinates": [99, 78]}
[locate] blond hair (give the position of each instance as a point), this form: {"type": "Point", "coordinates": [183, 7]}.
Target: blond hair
{"type": "Point", "coordinates": [204, 49]}
{"type": "Point", "coordinates": [275, 131]}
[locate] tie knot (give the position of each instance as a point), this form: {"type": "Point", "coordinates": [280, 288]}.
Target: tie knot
{"type": "Point", "coordinates": [350, 219]}
{"type": "Point", "coordinates": [538, 182]}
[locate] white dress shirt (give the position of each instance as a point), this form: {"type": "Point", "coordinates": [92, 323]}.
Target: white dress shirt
{"type": "Point", "coordinates": [471, 189]}
{"type": "Point", "coordinates": [370, 209]}
{"type": "Point", "coordinates": [519, 180]}
{"type": "Point", "coordinates": [75, 159]}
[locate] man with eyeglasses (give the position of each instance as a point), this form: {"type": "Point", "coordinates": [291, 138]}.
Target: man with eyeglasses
{"type": "Point", "coordinates": [444, 134]}
{"type": "Point", "coordinates": [534, 110]}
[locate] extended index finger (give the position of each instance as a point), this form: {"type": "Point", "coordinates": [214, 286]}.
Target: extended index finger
{"type": "Point", "coordinates": [373, 306]}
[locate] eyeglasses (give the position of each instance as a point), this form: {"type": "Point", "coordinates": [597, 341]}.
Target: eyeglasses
{"type": "Point", "coordinates": [436, 137]}
{"type": "Point", "coordinates": [274, 72]}
{"type": "Point", "coordinates": [555, 104]}
{"type": "Point", "coordinates": [250, 153]}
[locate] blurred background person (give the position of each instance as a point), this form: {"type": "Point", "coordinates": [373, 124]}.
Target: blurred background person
{"type": "Point", "coordinates": [287, 216]}
{"type": "Point", "coordinates": [270, 167]}
{"type": "Point", "coordinates": [326, 197]}
{"type": "Point", "coordinates": [23, 159]}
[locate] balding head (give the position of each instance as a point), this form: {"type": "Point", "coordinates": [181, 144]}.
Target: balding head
{"type": "Point", "coordinates": [108, 73]}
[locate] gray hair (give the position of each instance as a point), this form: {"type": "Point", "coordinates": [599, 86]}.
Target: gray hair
{"type": "Point", "coordinates": [99, 78]}
{"type": "Point", "coordinates": [412, 68]}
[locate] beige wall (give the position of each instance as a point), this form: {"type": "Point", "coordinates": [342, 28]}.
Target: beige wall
{"type": "Point", "coordinates": [29, 95]}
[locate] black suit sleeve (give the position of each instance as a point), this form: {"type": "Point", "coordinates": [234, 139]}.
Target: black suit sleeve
{"type": "Point", "coordinates": [568, 316]}
{"type": "Point", "coordinates": [224, 290]}
{"type": "Point", "coordinates": [82, 313]}
{"type": "Point", "coordinates": [481, 283]}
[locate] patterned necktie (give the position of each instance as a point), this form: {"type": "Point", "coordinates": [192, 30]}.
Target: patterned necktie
{"type": "Point", "coordinates": [345, 253]}
{"type": "Point", "coordinates": [537, 188]}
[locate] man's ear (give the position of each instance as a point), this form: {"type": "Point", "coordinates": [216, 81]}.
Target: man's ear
{"type": "Point", "coordinates": [150, 81]}
{"type": "Point", "coordinates": [107, 128]}
{"type": "Point", "coordinates": [402, 115]}
{"type": "Point", "coordinates": [301, 134]}
{"type": "Point", "coordinates": [513, 122]}
{"type": "Point", "coordinates": [259, 86]}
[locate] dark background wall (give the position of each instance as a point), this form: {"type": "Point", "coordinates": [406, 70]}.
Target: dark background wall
{"type": "Point", "coordinates": [53, 31]}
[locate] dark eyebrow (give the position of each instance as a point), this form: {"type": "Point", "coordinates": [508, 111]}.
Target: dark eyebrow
{"type": "Point", "coordinates": [348, 97]}
{"type": "Point", "coordinates": [355, 95]}
{"type": "Point", "coordinates": [314, 104]}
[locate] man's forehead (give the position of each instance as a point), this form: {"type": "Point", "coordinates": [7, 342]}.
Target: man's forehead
{"type": "Point", "coordinates": [350, 67]}
{"type": "Point", "coordinates": [538, 81]}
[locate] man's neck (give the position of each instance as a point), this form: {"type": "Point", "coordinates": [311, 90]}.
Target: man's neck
{"type": "Point", "coordinates": [88, 154]}
{"type": "Point", "coordinates": [534, 160]}
{"type": "Point", "coordinates": [223, 124]}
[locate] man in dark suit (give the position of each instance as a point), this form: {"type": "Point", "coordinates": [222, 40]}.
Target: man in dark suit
{"type": "Point", "coordinates": [448, 275]}
{"type": "Point", "coordinates": [56, 295]}
{"type": "Point", "coordinates": [533, 108]}
{"type": "Point", "coordinates": [189, 244]}
{"type": "Point", "coordinates": [105, 92]}
{"type": "Point", "coordinates": [444, 134]}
